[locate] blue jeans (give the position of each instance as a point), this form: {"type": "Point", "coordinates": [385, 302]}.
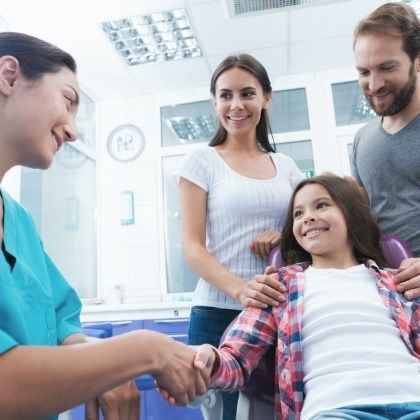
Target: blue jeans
{"type": "Point", "coordinates": [207, 325]}
{"type": "Point", "coordinates": [401, 411]}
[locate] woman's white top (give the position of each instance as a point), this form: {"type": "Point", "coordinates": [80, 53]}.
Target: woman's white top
{"type": "Point", "coordinates": [345, 359]}
{"type": "Point", "coordinates": [238, 210]}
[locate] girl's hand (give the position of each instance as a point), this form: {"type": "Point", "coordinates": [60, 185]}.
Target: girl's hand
{"type": "Point", "coordinates": [263, 290]}
{"type": "Point", "coordinates": [263, 243]}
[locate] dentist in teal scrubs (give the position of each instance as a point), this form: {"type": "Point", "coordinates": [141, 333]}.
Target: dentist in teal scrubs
{"type": "Point", "coordinates": [41, 307]}
{"type": "Point", "coordinates": [47, 365]}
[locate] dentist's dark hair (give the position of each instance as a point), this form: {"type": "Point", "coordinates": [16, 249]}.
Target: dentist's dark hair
{"type": "Point", "coordinates": [362, 227]}
{"type": "Point", "coordinates": [36, 57]}
{"type": "Point", "coordinates": [251, 65]}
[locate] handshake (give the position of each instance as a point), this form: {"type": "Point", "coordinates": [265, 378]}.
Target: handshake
{"type": "Point", "coordinates": [184, 371]}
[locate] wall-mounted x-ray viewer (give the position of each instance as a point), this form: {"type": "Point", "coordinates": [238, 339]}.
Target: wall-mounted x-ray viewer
{"type": "Point", "coordinates": [72, 213]}
{"type": "Point", "coordinates": [127, 207]}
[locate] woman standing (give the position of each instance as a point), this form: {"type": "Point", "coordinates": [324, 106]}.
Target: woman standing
{"type": "Point", "coordinates": [234, 196]}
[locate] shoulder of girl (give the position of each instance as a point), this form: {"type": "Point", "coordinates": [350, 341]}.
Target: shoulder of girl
{"type": "Point", "coordinates": [287, 271]}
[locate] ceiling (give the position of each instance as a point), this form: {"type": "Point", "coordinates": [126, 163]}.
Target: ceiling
{"type": "Point", "coordinates": [298, 39]}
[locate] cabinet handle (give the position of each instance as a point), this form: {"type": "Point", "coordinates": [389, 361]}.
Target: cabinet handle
{"type": "Point", "coordinates": [170, 321]}
{"type": "Point", "coordinates": [121, 323]}
{"type": "Point", "coordinates": [178, 335]}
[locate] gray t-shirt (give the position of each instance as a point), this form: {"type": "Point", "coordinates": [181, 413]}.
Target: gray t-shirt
{"type": "Point", "coordinates": [388, 166]}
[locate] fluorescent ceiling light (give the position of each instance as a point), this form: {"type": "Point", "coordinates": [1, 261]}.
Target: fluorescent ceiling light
{"type": "Point", "coordinates": [192, 128]}
{"type": "Point", "coordinates": [157, 37]}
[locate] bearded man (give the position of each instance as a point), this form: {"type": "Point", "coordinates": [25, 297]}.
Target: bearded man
{"type": "Point", "coordinates": [386, 152]}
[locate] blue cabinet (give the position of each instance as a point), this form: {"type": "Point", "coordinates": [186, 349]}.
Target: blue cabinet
{"type": "Point", "coordinates": [175, 328]}
{"type": "Point", "coordinates": [153, 407]}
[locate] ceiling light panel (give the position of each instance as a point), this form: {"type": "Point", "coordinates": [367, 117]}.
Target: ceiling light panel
{"type": "Point", "coordinates": [191, 128]}
{"type": "Point", "coordinates": [163, 36]}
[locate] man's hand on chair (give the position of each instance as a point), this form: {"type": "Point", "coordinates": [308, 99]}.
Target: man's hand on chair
{"type": "Point", "coordinates": [408, 278]}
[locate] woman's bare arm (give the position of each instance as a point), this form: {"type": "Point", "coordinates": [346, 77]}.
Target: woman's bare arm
{"type": "Point", "coordinates": [194, 213]}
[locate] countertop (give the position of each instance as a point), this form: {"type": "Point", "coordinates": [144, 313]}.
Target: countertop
{"type": "Point", "coordinates": [131, 311]}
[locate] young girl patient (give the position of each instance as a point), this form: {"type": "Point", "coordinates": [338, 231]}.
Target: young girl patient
{"type": "Point", "coordinates": [348, 343]}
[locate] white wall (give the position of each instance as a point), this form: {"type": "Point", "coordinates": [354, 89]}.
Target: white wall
{"type": "Point", "coordinates": [11, 182]}
{"type": "Point", "coordinates": [128, 254]}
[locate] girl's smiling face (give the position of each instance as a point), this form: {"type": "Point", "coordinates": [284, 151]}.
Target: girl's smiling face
{"type": "Point", "coordinates": [320, 228]}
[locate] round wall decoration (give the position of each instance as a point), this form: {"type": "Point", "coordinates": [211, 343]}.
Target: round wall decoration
{"type": "Point", "coordinates": [125, 143]}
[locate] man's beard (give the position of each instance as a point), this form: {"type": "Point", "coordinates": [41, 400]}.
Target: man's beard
{"type": "Point", "coordinates": [402, 96]}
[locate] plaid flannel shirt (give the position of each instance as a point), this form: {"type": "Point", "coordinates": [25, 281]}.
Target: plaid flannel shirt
{"type": "Point", "coordinates": [257, 329]}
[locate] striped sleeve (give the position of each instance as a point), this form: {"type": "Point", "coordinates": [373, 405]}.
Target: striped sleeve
{"type": "Point", "coordinates": [289, 169]}
{"type": "Point", "coordinates": [194, 167]}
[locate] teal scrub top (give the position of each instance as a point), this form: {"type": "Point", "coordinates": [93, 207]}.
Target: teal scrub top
{"type": "Point", "coordinates": [37, 305]}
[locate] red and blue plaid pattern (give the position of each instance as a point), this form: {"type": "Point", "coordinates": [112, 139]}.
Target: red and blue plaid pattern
{"type": "Point", "coordinates": [257, 329]}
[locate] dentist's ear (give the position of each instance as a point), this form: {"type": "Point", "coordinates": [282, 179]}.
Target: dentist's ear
{"type": "Point", "coordinates": [9, 71]}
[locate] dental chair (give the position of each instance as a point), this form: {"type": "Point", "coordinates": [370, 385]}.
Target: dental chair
{"type": "Point", "coordinates": [256, 399]}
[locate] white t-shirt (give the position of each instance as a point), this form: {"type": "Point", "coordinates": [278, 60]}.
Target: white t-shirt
{"type": "Point", "coordinates": [238, 210]}
{"type": "Point", "coordinates": [353, 352]}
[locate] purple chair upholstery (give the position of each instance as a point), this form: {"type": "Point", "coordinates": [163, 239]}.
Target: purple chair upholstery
{"type": "Point", "coordinates": [395, 249]}
{"type": "Point", "coordinates": [274, 258]}
{"type": "Point", "coordinates": [261, 383]}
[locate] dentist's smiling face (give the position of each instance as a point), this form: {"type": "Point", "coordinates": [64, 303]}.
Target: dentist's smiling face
{"type": "Point", "coordinates": [42, 117]}
{"type": "Point", "coordinates": [239, 100]}
{"type": "Point", "coordinates": [319, 225]}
